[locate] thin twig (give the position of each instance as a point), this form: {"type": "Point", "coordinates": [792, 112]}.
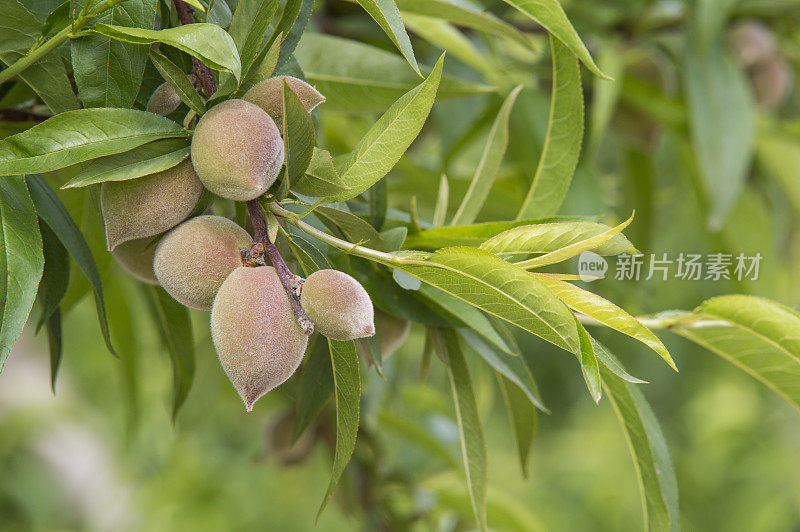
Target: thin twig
{"type": "Point", "coordinates": [290, 281]}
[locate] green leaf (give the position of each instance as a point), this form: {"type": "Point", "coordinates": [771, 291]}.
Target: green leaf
{"type": "Point", "coordinates": [314, 385]}
{"type": "Point", "coordinates": [575, 248]}
{"type": "Point", "coordinates": [176, 77]}
{"type": "Point", "coordinates": [108, 73]}
{"type": "Point", "coordinates": [321, 178]}
{"type": "Point", "coordinates": [48, 76]}
{"type": "Point", "coordinates": [208, 42]}
{"type": "Point", "coordinates": [473, 442]}
{"type": "Point", "coordinates": [779, 156]}
{"type": "Point", "coordinates": [606, 313]}
{"type": "Point", "coordinates": [21, 261]}
{"type": "Point", "coordinates": [263, 66]}
{"type": "Point", "coordinates": [523, 417]}
{"type": "Point", "coordinates": [249, 24]}
{"type": "Point", "coordinates": [721, 120]}
{"type": "Point", "coordinates": [550, 15]}
{"type": "Point", "coordinates": [147, 159]}
{"type": "Point", "coordinates": [310, 258]}
{"type": "Point", "coordinates": [286, 61]}
{"type": "Point", "coordinates": [386, 14]}
{"type": "Point", "coordinates": [353, 227]}
{"type": "Point", "coordinates": [77, 136]}
{"type": "Point", "coordinates": [55, 277]}
{"type": "Point", "coordinates": [472, 235]}
{"type": "Point", "coordinates": [388, 139]}
{"type": "Point", "coordinates": [347, 386]}
{"type": "Point", "coordinates": [501, 289]}
{"type": "Point", "coordinates": [447, 37]}
{"type": "Point", "coordinates": [511, 368]}
{"type": "Point", "coordinates": [463, 13]}
{"type": "Point", "coordinates": [549, 237]}
{"type": "Point", "coordinates": [55, 345]}
{"type": "Point", "coordinates": [442, 202]}
{"type": "Point", "coordinates": [562, 145]}
{"type": "Point", "coordinates": [589, 366]}
{"type": "Point", "coordinates": [175, 329]}
{"type": "Point", "coordinates": [418, 434]}
{"type": "Point", "coordinates": [219, 13]}
{"type": "Point", "coordinates": [489, 163]}
{"type": "Point", "coordinates": [611, 363]}
{"type": "Point", "coordinates": [358, 77]}
{"type": "Point", "coordinates": [55, 215]}
{"type": "Point", "coordinates": [393, 238]}
{"type": "Point", "coordinates": [650, 454]}
{"type": "Point", "coordinates": [298, 135]}
{"type": "Point", "coordinates": [758, 336]}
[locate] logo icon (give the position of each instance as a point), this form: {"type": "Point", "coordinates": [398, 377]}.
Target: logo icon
{"type": "Point", "coordinates": [591, 266]}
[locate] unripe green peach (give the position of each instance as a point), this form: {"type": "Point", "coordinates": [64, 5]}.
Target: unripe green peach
{"type": "Point", "coordinates": [164, 100]}
{"type": "Point", "coordinates": [136, 258]}
{"type": "Point", "coordinates": [255, 332]}
{"type": "Point", "coordinates": [268, 95]}
{"type": "Point", "coordinates": [149, 205]}
{"type": "Point", "coordinates": [193, 260]}
{"type": "Point", "coordinates": [392, 331]}
{"type": "Point", "coordinates": [338, 305]}
{"type": "Point", "coordinates": [237, 150]}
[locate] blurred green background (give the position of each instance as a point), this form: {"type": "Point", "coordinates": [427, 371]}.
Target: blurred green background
{"type": "Point", "coordinates": [102, 453]}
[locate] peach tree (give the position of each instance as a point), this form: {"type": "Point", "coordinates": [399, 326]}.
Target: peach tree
{"type": "Point", "coordinates": [185, 139]}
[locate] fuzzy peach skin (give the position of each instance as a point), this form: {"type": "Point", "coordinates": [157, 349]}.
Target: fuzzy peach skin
{"type": "Point", "coordinates": [148, 205]}
{"type": "Point", "coordinates": [193, 260]}
{"type": "Point", "coordinates": [255, 332]}
{"type": "Point", "coordinates": [164, 100]}
{"type": "Point", "coordinates": [268, 95]}
{"type": "Point", "coordinates": [237, 150]}
{"type": "Point", "coordinates": [136, 258]}
{"type": "Point", "coordinates": [338, 305]}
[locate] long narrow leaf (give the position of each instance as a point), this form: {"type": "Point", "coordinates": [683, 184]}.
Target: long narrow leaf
{"type": "Point", "coordinates": [563, 142]}
{"type": "Point", "coordinates": [55, 215]}
{"type": "Point", "coordinates": [21, 261]}
{"type": "Point", "coordinates": [488, 165]}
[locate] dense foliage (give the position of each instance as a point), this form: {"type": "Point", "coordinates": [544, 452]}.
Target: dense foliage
{"type": "Point", "coordinates": [441, 182]}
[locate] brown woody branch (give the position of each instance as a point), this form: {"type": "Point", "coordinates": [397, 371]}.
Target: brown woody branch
{"type": "Point", "coordinates": [186, 16]}
{"type": "Point", "coordinates": [291, 282]}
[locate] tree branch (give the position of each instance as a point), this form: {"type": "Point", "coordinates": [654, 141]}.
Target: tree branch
{"type": "Point", "coordinates": [186, 16]}
{"type": "Point", "coordinates": [291, 282]}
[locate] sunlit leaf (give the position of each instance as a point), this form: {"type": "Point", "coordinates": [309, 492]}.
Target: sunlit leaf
{"type": "Point", "coordinates": [501, 289]}
{"type": "Point", "coordinates": [389, 138]}
{"type": "Point", "coordinates": [758, 336]}
{"type": "Point", "coordinates": [606, 313]}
